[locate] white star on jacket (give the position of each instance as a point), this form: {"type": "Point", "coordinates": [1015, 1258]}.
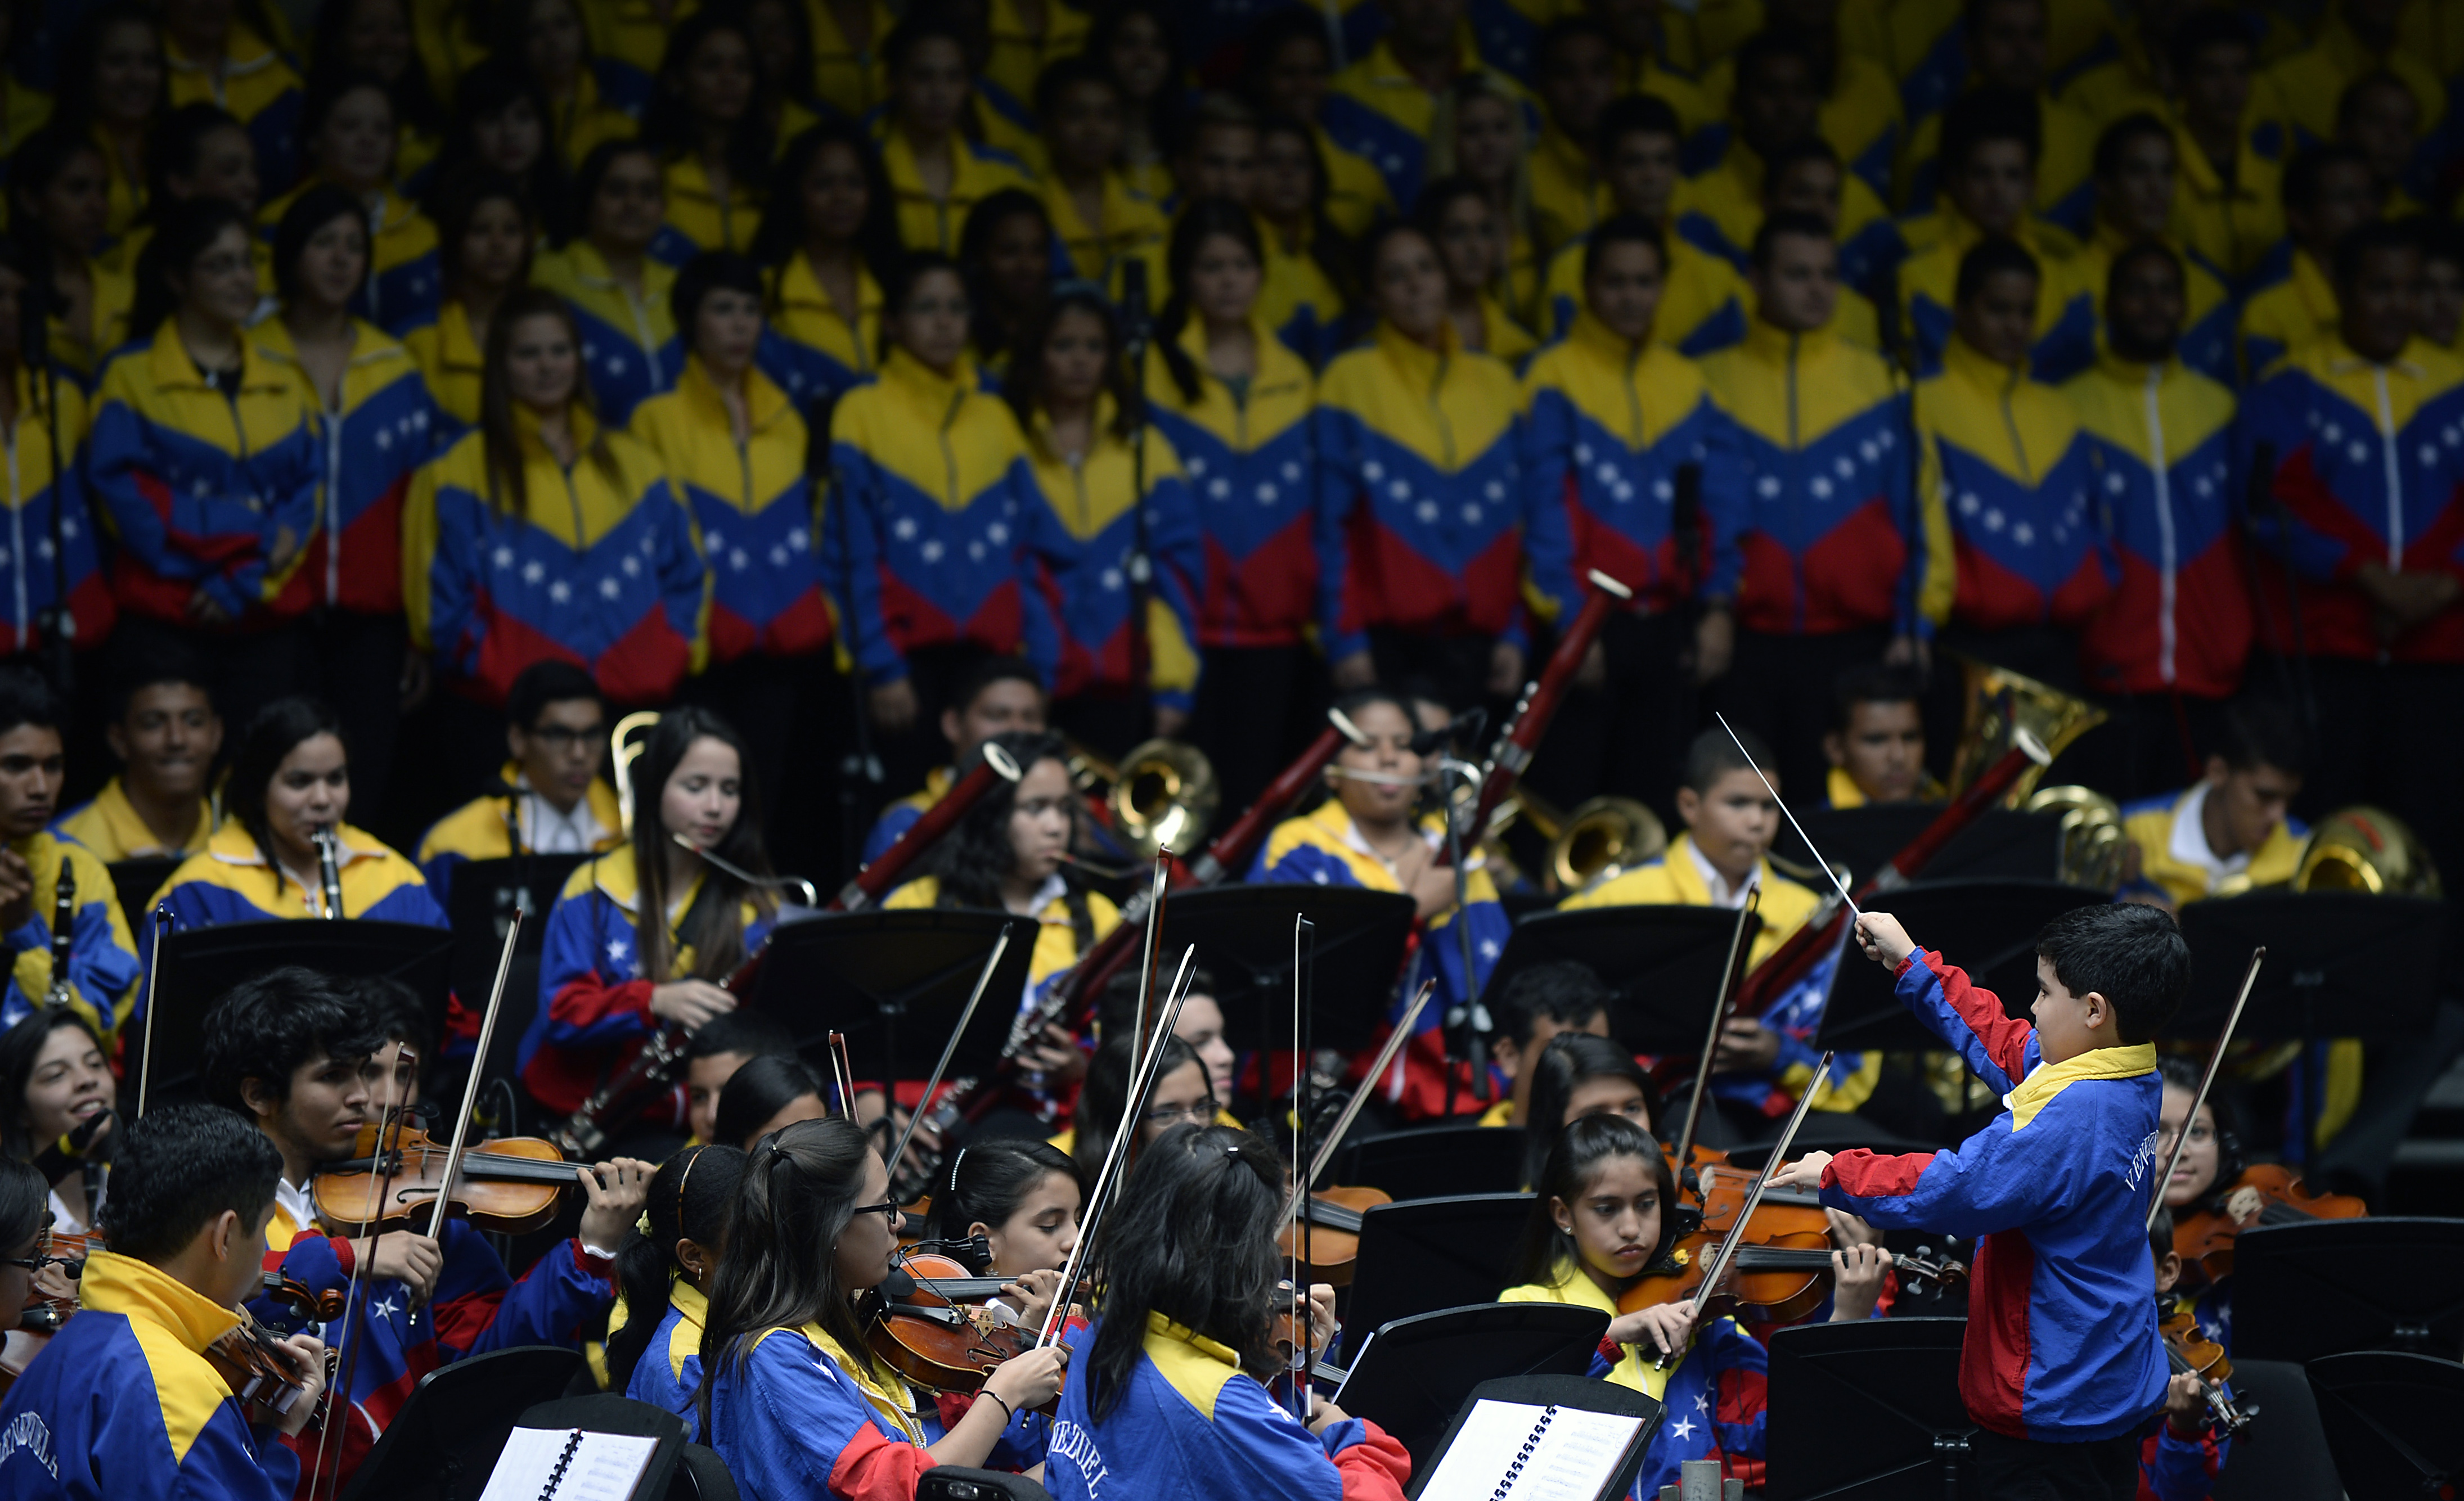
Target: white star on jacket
{"type": "Point", "coordinates": [383, 1308]}
{"type": "Point", "coordinates": [1685, 1428]}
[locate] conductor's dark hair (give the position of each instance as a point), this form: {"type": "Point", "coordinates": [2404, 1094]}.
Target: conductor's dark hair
{"type": "Point", "coordinates": [2260, 731]}
{"type": "Point", "coordinates": [24, 1198]}
{"type": "Point", "coordinates": [976, 853]}
{"type": "Point", "coordinates": [1983, 114]}
{"type": "Point", "coordinates": [266, 1028]}
{"type": "Point", "coordinates": [142, 660]}
{"type": "Point", "coordinates": [2377, 237]}
{"type": "Point", "coordinates": [1193, 1239]}
{"type": "Point", "coordinates": [310, 212]}
{"type": "Point", "coordinates": [279, 729]}
{"type": "Point", "coordinates": [1568, 1168]}
{"type": "Point", "coordinates": [688, 1199]}
{"type": "Point", "coordinates": [1624, 230]}
{"type": "Point", "coordinates": [26, 699]}
{"type": "Point", "coordinates": [548, 681]}
{"type": "Point", "coordinates": [757, 1035]}
{"type": "Point", "coordinates": [759, 1090]}
{"type": "Point", "coordinates": [2130, 953]}
{"type": "Point", "coordinates": [1570, 1061]}
{"type": "Point", "coordinates": [1787, 222]}
{"type": "Point", "coordinates": [1638, 115]}
{"type": "Point", "coordinates": [792, 1203]}
{"type": "Point", "coordinates": [988, 1181]}
{"type": "Point", "coordinates": [1106, 1095]}
{"type": "Point", "coordinates": [179, 1168]}
{"type": "Point", "coordinates": [1713, 755]}
{"type": "Point", "coordinates": [1989, 258]}
{"type": "Point", "coordinates": [1872, 682]}
{"type": "Point", "coordinates": [1566, 990]}
{"type": "Point", "coordinates": [2118, 137]}
{"type": "Point", "coordinates": [19, 1049]}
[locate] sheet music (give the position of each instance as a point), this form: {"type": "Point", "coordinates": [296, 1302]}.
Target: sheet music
{"type": "Point", "coordinates": [1564, 1454]}
{"type": "Point", "coordinates": [568, 1465]}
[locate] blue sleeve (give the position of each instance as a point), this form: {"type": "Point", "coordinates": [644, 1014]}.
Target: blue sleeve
{"type": "Point", "coordinates": [894, 821]}
{"type": "Point", "coordinates": [1738, 1367]}
{"type": "Point", "coordinates": [1726, 513]}
{"type": "Point", "coordinates": [438, 869]}
{"type": "Point", "coordinates": [851, 561]}
{"type": "Point", "coordinates": [298, 477]}
{"type": "Point", "coordinates": [1999, 1050]}
{"type": "Point", "coordinates": [591, 993]}
{"type": "Point", "coordinates": [1337, 434]}
{"type": "Point", "coordinates": [1267, 1453]}
{"type": "Point", "coordinates": [790, 1424]}
{"type": "Point", "coordinates": [1178, 549]}
{"type": "Point", "coordinates": [1997, 1180]}
{"type": "Point", "coordinates": [1039, 630]}
{"type": "Point", "coordinates": [1548, 441]}
{"type": "Point", "coordinates": [100, 971]}
{"type": "Point", "coordinates": [2174, 1469]}
{"type": "Point", "coordinates": [548, 1306]}
{"type": "Point", "coordinates": [231, 1461]}
{"type": "Point", "coordinates": [684, 580]}
{"type": "Point", "coordinates": [119, 455]}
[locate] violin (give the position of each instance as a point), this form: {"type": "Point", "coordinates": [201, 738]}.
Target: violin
{"type": "Point", "coordinates": [262, 1372]}
{"type": "Point", "coordinates": [2191, 1352]}
{"type": "Point", "coordinates": [511, 1187]}
{"type": "Point", "coordinates": [928, 1324]}
{"type": "Point", "coordinates": [2268, 1193]}
{"type": "Point", "coordinates": [1330, 1246]}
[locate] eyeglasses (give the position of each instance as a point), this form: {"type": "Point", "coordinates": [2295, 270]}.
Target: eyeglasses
{"type": "Point", "coordinates": [42, 1257]}
{"type": "Point", "coordinates": [888, 1209]}
{"type": "Point", "coordinates": [1197, 1113]}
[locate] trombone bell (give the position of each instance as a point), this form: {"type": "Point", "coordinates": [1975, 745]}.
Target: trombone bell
{"type": "Point", "coordinates": [625, 744]}
{"type": "Point", "coordinates": [1602, 838]}
{"type": "Point", "coordinates": [2001, 705]}
{"type": "Point", "coordinates": [1164, 793]}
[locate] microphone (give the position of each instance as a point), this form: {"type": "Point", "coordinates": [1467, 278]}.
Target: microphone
{"type": "Point", "coordinates": [1135, 321]}
{"type": "Point", "coordinates": [1464, 726]}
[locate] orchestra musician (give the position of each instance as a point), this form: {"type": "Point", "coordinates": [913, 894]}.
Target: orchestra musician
{"type": "Point", "coordinates": [554, 801]}
{"type": "Point", "coordinates": [124, 1403]}
{"type": "Point", "coordinates": [1024, 1198]}
{"type": "Point", "coordinates": [1876, 744]}
{"type": "Point", "coordinates": [641, 935]}
{"type": "Point", "coordinates": [291, 1053]}
{"type": "Point", "coordinates": [1580, 1075]}
{"type": "Point", "coordinates": [162, 727]}
{"type": "Point", "coordinates": [102, 957]}
{"type": "Point", "coordinates": [1198, 1024]}
{"type": "Point", "coordinates": [767, 1095]}
{"type": "Point", "coordinates": [1182, 1094]}
{"type": "Point", "coordinates": [1166, 1395]}
{"type": "Point", "coordinates": [791, 1396]}
{"type": "Point", "coordinates": [56, 1112]}
{"type": "Point", "coordinates": [999, 695]}
{"type": "Point", "coordinates": [25, 1231]}
{"type": "Point", "coordinates": [2180, 1461]}
{"type": "Point", "coordinates": [721, 1046]}
{"type": "Point", "coordinates": [2211, 1161]}
{"type": "Point", "coordinates": [663, 1274]}
{"type": "Point", "coordinates": [1562, 995]}
{"type": "Point", "coordinates": [2234, 823]}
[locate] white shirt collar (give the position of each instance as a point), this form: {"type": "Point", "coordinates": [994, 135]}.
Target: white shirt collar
{"type": "Point", "coordinates": [1718, 885]}
{"type": "Point", "coordinates": [297, 1203]}
{"type": "Point", "coordinates": [2188, 842]}
{"type": "Point", "coordinates": [545, 831]}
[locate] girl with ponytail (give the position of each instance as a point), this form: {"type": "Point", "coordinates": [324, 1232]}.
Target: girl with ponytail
{"type": "Point", "coordinates": [664, 1271]}
{"type": "Point", "coordinates": [1022, 1197]}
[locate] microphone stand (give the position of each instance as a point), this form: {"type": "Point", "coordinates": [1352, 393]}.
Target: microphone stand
{"type": "Point", "coordinates": [35, 308]}
{"type": "Point", "coordinates": [1467, 1016]}
{"type": "Point", "coordinates": [860, 767]}
{"type": "Point", "coordinates": [1137, 329]}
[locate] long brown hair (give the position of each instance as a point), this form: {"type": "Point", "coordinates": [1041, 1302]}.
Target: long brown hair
{"type": "Point", "coordinates": [717, 933]}
{"type": "Point", "coordinates": [502, 435]}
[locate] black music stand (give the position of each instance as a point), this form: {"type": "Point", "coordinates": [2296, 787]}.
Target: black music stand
{"type": "Point", "coordinates": [1244, 936]}
{"type": "Point", "coordinates": [894, 982]}
{"type": "Point", "coordinates": [1661, 964]}
{"type": "Point", "coordinates": [2301, 1292]}
{"type": "Point", "coordinates": [134, 881]}
{"type": "Point", "coordinates": [1558, 1391]}
{"type": "Point", "coordinates": [1435, 1162]}
{"type": "Point", "coordinates": [1415, 1374]}
{"type": "Point", "coordinates": [2390, 1420]}
{"type": "Point", "coordinates": [199, 964]}
{"type": "Point", "coordinates": [1432, 1254]}
{"type": "Point", "coordinates": [613, 1412]}
{"type": "Point", "coordinates": [2001, 845]}
{"type": "Point", "coordinates": [1871, 1411]}
{"type": "Point", "coordinates": [480, 903]}
{"type": "Point", "coordinates": [446, 1438]}
{"type": "Point", "coordinates": [1986, 927]}
{"type": "Point", "coordinates": [2339, 964]}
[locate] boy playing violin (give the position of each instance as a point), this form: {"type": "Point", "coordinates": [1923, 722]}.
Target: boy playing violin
{"type": "Point", "coordinates": [2180, 1461]}
{"type": "Point", "coordinates": [124, 1404]}
{"type": "Point", "coordinates": [2062, 1365]}
{"type": "Point", "coordinates": [309, 1060]}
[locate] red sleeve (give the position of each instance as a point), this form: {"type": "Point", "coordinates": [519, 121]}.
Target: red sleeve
{"type": "Point", "coordinates": [1870, 1175]}
{"type": "Point", "coordinates": [1374, 1468]}
{"type": "Point", "coordinates": [584, 1001]}
{"type": "Point", "coordinates": [874, 1467]}
{"type": "Point", "coordinates": [2005, 1040]}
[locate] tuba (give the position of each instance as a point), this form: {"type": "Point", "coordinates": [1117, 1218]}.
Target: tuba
{"type": "Point", "coordinates": [625, 744]}
{"type": "Point", "coordinates": [2093, 845]}
{"type": "Point", "coordinates": [1162, 792]}
{"type": "Point", "coordinates": [2002, 705]}
{"type": "Point", "coordinates": [2366, 849]}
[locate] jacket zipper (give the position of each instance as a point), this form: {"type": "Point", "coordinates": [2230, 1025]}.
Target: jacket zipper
{"type": "Point", "coordinates": [1795, 512]}
{"type": "Point", "coordinates": [2394, 473]}
{"type": "Point", "coordinates": [18, 537]}
{"type": "Point", "coordinates": [1438, 411]}
{"type": "Point", "coordinates": [334, 502]}
{"type": "Point", "coordinates": [2167, 630]}
{"type": "Point", "coordinates": [949, 455]}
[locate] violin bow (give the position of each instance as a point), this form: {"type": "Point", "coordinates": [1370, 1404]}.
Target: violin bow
{"type": "Point", "coordinates": [1132, 1114]}
{"type": "Point", "coordinates": [841, 1073]}
{"type": "Point", "coordinates": [2215, 1061]}
{"type": "Point", "coordinates": [470, 1087]}
{"type": "Point", "coordinates": [950, 1048]}
{"type": "Point", "coordinates": [1147, 963]}
{"type": "Point", "coordinates": [163, 919]}
{"type": "Point", "coordinates": [1395, 1043]}
{"type": "Point", "coordinates": [354, 1290]}
{"type": "Point", "coordinates": [1746, 916]}
{"type": "Point", "coordinates": [1304, 969]}
{"type": "Point", "coordinates": [1736, 1236]}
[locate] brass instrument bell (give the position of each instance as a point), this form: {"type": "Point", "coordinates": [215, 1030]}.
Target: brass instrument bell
{"type": "Point", "coordinates": [625, 744]}
{"type": "Point", "coordinates": [2001, 706]}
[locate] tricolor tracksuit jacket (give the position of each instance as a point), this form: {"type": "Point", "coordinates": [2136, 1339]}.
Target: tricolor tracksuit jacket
{"type": "Point", "coordinates": [2061, 1341]}
{"type": "Point", "coordinates": [39, 501]}
{"type": "Point", "coordinates": [102, 960]}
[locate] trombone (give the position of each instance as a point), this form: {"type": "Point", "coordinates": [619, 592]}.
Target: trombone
{"type": "Point", "coordinates": [1162, 792]}
{"type": "Point", "coordinates": [625, 744]}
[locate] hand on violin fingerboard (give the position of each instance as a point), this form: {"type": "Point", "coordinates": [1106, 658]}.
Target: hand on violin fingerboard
{"type": "Point", "coordinates": [1856, 1272]}
{"type": "Point", "coordinates": [1031, 1293]}
{"type": "Point", "coordinates": [616, 1192]}
{"type": "Point", "coordinates": [2186, 1406]}
{"type": "Point", "coordinates": [1659, 1329]}
{"type": "Point", "coordinates": [1806, 1172]}
{"type": "Point", "coordinates": [308, 1355]}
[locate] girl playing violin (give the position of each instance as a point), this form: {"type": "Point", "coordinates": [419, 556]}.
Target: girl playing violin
{"type": "Point", "coordinates": [57, 1111]}
{"type": "Point", "coordinates": [791, 1398]}
{"type": "Point", "coordinates": [663, 1273]}
{"type": "Point", "coordinates": [1168, 1400]}
{"type": "Point", "coordinates": [1024, 1198]}
{"type": "Point", "coordinates": [1182, 1095]}
{"type": "Point", "coordinates": [767, 1095]}
{"type": "Point", "coordinates": [1580, 1075]}
{"type": "Point", "coordinates": [1598, 1223]}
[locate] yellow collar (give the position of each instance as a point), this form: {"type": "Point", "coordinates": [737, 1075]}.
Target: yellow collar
{"type": "Point", "coordinates": [1971, 365]}
{"type": "Point", "coordinates": [763, 401]}
{"type": "Point", "coordinates": [877, 1381]}
{"type": "Point", "coordinates": [1416, 358]}
{"type": "Point", "coordinates": [1769, 340]}
{"type": "Point", "coordinates": [1159, 1327]}
{"type": "Point", "coordinates": [117, 1284]}
{"type": "Point", "coordinates": [2038, 1089]}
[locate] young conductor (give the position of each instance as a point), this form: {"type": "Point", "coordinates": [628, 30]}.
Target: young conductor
{"type": "Point", "coordinates": [2061, 1368]}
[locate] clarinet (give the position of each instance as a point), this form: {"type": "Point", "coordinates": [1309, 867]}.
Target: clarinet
{"type": "Point", "coordinates": [329, 870]}
{"type": "Point", "coordinates": [63, 935]}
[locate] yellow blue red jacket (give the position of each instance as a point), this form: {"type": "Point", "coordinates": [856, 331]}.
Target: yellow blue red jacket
{"type": "Point", "coordinates": [1130, 223]}
{"type": "Point", "coordinates": [752, 502]}
{"type": "Point", "coordinates": [253, 83]}
{"type": "Point", "coordinates": [700, 218]}
{"type": "Point", "coordinates": [2065, 330]}
{"type": "Point", "coordinates": [1795, 1014]}
{"type": "Point", "coordinates": [1701, 302]}
{"type": "Point", "coordinates": [123, 1406]}
{"type": "Point", "coordinates": [1325, 848]}
{"type": "Point", "coordinates": [1861, 115]}
{"type": "Point", "coordinates": [2065, 165]}
{"type": "Point", "coordinates": [2208, 336]}
{"type": "Point", "coordinates": [453, 366]}
{"type": "Point", "coordinates": [1829, 523]}
{"type": "Point", "coordinates": [2061, 1341]}
{"type": "Point", "coordinates": [405, 278]}
{"type": "Point", "coordinates": [1609, 425]}
{"type": "Point", "coordinates": [1191, 1422]}
{"type": "Point", "coordinates": [102, 955]}
{"type": "Point", "coordinates": [386, 428]}
{"type": "Point", "coordinates": [109, 827]}
{"type": "Point", "coordinates": [630, 347]}
{"type": "Point", "coordinates": [2160, 442]}
{"type": "Point", "coordinates": [1423, 514]}
{"type": "Point", "coordinates": [901, 815]}
{"type": "Point", "coordinates": [808, 347]}
{"type": "Point", "coordinates": [594, 1001]}
{"type": "Point", "coordinates": [2011, 535]}
{"type": "Point", "coordinates": [499, 825]}
{"type": "Point", "coordinates": [800, 1416]}
{"type": "Point", "coordinates": [2367, 471]}
{"type": "Point", "coordinates": [43, 497]}
{"type": "Point", "coordinates": [979, 170]}
{"type": "Point", "coordinates": [2306, 89]}
{"type": "Point", "coordinates": [2175, 1468]}
{"type": "Point", "coordinates": [1378, 110]}
{"type": "Point", "coordinates": [2292, 302]}
{"type": "Point", "coordinates": [926, 542]}
{"type": "Point", "coordinates": [1299, 300]}
{"type": "Point", "coordinates": [1085, 533]}
{"type": "Point", "coordinates": [233, 882]}
{"type": "Point", "coordinates": [1248, 459]}
{"type": "Point", "coordinates": [202, 489]}
{"type": "Point", "coordinates": [2149, 825]}
{"type": "Point", "coordinates": [475, 1307]}
{"type": "Point", "coordinates": [1720, 213]}
{"type": "Point", "coordinates": [602, 568]}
